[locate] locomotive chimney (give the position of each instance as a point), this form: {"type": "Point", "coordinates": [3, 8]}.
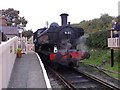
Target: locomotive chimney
{"type": "Point", "coordinates": [64, 18]}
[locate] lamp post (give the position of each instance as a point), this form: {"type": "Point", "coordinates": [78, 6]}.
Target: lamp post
{"type": "Point", "coordinates": [20, 32]}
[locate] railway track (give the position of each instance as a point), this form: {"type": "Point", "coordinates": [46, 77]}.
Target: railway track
{"type": "Point", "coordinates": [105, 84]}
{"type": "Point", "coordinates": [73, 79]}
{"type": "Point", "coordinates": [54, 80]}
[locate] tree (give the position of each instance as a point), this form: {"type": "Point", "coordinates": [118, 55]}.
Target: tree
{"type": "Point", "coordinates": [118, 18]}
{"type": "Point", "coordinates": [13, 18]}
{"type": "Point", "coordinates": [98, 39]}
{"type": "Point", "coordinates": [105, 20]}
{"type": "Point", "coordinates": [27, 34]}
{"type": "Point", "coordinates": [97, 24]}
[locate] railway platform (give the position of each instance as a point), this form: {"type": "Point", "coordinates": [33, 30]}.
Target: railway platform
{"type": "Point", "coordinates": [29, 72]}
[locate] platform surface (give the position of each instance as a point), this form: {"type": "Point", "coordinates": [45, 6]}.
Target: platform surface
{"type": "Point", "coordinates": [27, 72]}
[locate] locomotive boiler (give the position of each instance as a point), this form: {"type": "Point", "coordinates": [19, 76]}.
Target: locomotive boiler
{"type": "Point", "coordinates": [61, 43]}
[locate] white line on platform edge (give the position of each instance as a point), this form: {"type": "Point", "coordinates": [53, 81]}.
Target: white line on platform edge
{"type": "Point", "coordinates": [44, 73]}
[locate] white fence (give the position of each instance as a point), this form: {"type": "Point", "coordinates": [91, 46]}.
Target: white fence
{"type": "Point", "coordinates": [22, 43]}
{"type": "Point", "coordinates": [7, 59]}
{"type": "Point", "coordinates": [30, 47]}
{"type": "Point", "coordinates": [114, 42]}
{"type": "Point", "coordinates": [25, 45]}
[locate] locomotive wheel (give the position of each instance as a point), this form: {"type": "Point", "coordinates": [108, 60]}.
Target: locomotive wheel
{"type": "Point", "coordinates": [71, 64]}
{"type": "Point", "coordinates": [55, 66]}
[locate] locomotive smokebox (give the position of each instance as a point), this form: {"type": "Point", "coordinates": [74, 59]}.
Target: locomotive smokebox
{"type": "Point", "coordinates": [64, 19]}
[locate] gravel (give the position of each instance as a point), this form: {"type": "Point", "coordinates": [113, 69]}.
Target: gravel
{"type": "Point", "coordinates": [99, 74]}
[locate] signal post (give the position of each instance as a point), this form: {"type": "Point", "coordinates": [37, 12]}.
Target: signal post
{"type": "Point", "coordinates": [113, 44]}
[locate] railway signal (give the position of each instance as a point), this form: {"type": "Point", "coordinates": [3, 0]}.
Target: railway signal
{"type": "Point", "coordinates": [114, 40]}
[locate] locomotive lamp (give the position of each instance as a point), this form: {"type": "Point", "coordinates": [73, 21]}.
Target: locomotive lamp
{"type": "Point", "coordinates": [55, 49]}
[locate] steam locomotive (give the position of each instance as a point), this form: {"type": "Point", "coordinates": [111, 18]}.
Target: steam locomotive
{"type": "Point", "coordinates": [62, 44]}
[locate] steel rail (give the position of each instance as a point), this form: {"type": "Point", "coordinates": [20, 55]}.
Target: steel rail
{"type": "Point", "coordinates": [69, 85]}
{"type": "Point", "coordinates": [99, 80]}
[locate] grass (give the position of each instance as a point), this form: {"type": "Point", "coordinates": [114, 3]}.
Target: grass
{"type": "Point", "coordinates": [116, 68]}
{"type": "Point", "coordinates": [102, 58]}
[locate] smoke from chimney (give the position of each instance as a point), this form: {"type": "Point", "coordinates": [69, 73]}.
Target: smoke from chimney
{"type": "Point", "coordinates": [64, 19]}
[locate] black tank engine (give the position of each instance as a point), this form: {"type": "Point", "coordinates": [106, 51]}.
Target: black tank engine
{"type": "Point", "coordinates": [60, 43]}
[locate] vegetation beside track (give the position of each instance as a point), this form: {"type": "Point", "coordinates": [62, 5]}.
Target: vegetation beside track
{"type": "Point", "coordinates": [102, 58]}
{"type": "Point", "coordinates": [100, 55]}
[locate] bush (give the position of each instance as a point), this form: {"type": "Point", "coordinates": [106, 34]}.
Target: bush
{"type": "Point", "coordinates": [98, 39]}
{"type": "Point", "coordinates": [19, 50]}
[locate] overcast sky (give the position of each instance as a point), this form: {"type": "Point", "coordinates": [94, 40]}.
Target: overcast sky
{"type": "Point", "coordinates": [37, 12]}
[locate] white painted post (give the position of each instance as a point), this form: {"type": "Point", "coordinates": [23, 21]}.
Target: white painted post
{"type": "Point", "coordinates": [26, 45]}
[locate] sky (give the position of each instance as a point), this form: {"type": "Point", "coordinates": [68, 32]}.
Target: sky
{"type": "Point", "coordinates": [38, 12]}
